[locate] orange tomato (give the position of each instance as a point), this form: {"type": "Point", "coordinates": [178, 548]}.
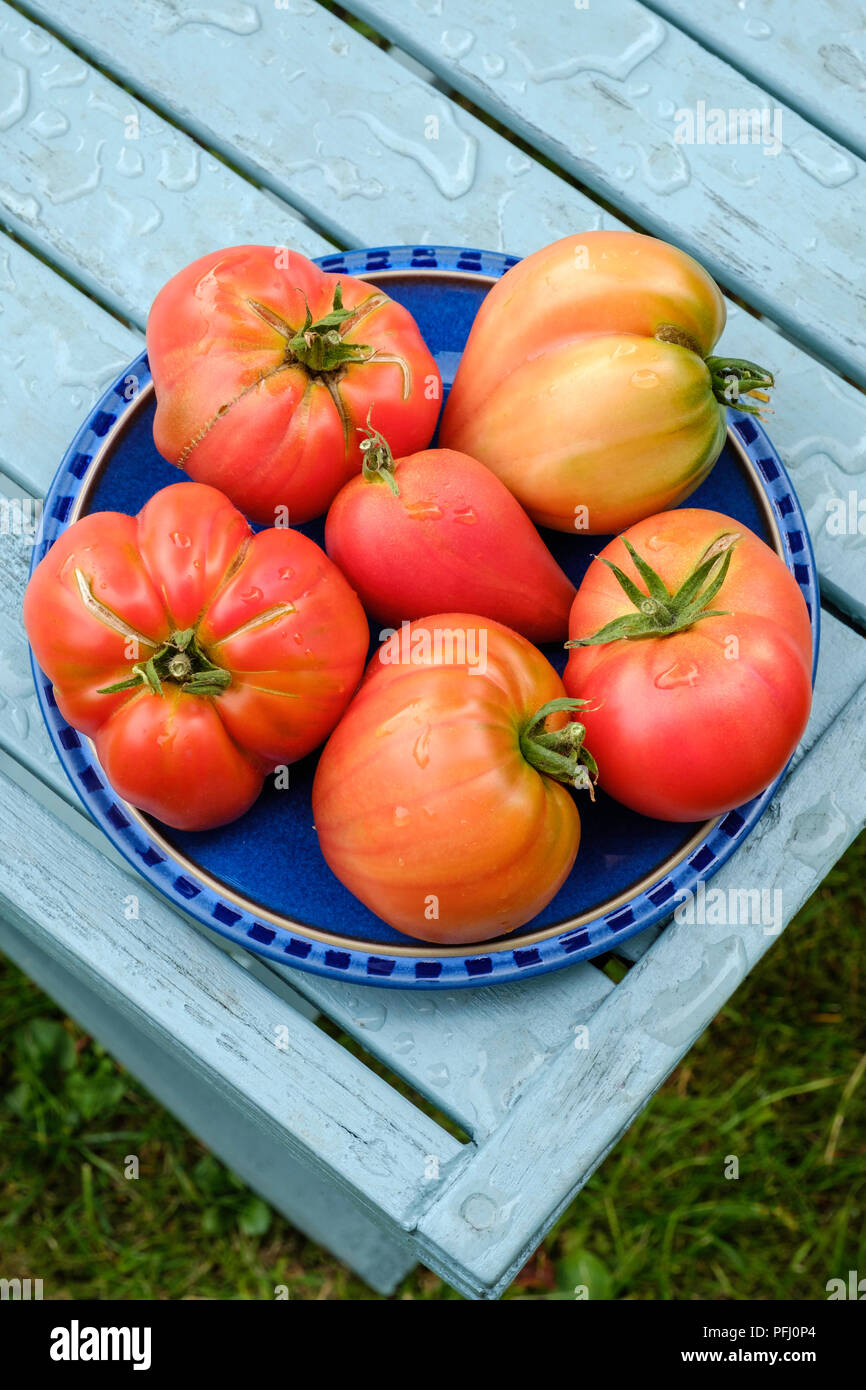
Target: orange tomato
{"type": "Point", "coordinates": [439, 798]}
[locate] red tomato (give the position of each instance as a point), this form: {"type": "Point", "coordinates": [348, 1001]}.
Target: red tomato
{"type": "Point", "coordinates": [438, 530]}
{"type": "Point", "coordinates": [197, 656]}
{"type": "Point", "coordinates": [695, 701]}
{"type": "Point", "coordinates": [264, 368]}
{"type": "Point", "coordinates": [437, 799]}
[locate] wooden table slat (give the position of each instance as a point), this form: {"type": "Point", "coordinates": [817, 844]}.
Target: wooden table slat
{"type": "Point", "coordinates": [323, 1103]}
{"type": "Point", "coordinates": [813, 56]}
{"type": "Point", "coordinates": [600, 91]}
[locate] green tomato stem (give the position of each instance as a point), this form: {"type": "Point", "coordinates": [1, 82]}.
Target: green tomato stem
{"type": "Point", "coordinates": [559, 753]}
{"type": "Point", "coordinates": [379, 464]}
{"type": "Point", "coordinates": [320, 346]}
{"type": "Point", "coordinates": [658, 612]}
{"type": "Point", "coordinates": [181, 661]}
{"type": "Point", "coordinates": [735, 377]}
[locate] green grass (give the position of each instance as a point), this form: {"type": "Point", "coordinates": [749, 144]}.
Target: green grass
{"type": "Point", "coordinates": [767, 1083]}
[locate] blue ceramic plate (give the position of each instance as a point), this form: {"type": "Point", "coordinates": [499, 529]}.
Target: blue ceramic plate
{"type": "Point", "coordinates": [262, 881]}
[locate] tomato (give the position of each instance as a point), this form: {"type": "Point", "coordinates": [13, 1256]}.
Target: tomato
{"type": "Point", "coordinates": [197, 656]}
{"type": "Point", "coordinates": [439, 798]}
{"type": "Point", "coordinates": [431, 531]}
{"type": "Point", "coordinates": [586, 383]}
{"type": "Point", "coordinates": [264, 368]}
{"type": "Point", "coordinates": [696, 696]}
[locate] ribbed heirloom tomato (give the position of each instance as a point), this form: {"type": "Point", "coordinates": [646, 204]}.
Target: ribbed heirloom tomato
{"type": "Point", "coordinates": [587, 386]}
{"type": "Point", "coordinates": [265, 367]}
{"type": "Point", "coordinates": [691, 643]}
{"type": "Point", "coordinates": [196, 655]}
{"type": "Point", "coordinates": [439, 798]}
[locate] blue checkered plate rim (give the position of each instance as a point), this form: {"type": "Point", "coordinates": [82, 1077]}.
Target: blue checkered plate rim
{"type": "Point", "coordinates": [262, 882]}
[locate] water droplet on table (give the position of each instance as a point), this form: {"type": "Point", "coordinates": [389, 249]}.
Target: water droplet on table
{"type": "Point", "coordinates": [14, 91]}
{"type": "Point", "coordinates": [826, 163]}
{"type": "Point", "coordinates": [479, 1211]}
{"type": "Point", "coordinates": [455, 43]}
{"type": "Point", "coordinates": [679, 1013]}
{"type": "Point", "coordinates": [370, 1015]}
{"type": "Point", "coordinates": [757, 29]}
{"type": "Point", "coordinates": [49, 124]}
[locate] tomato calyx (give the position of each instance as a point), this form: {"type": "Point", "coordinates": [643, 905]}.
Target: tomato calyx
{"type": "Point", "coordinates": [659, 612]}
{"type": "Point", "coordinates": [182, 661]}
{"type": "Point", "coordinates": [320, 346]}
{"type": "Point", "coordinates": [378, 462]}
{"type": "Point", "coordinates": [559, 753]}
{"type": "Point", "coordinates": [731, 378]}
{"type": "Point", "coordinates": [734, 377]}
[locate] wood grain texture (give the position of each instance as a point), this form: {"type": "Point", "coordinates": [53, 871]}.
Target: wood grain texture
{"type": "Point", "coordinates": [370, 186]}
{"type": "Point", "coordinates": [472, 1052]}
{"type": "Point", "coordinates": [494, 1212]}
{"type": "Point", "coordinates": [321, 1104]}
{"type": "Point", "coordinates": [813, 56]}
{"type": "Point", "coordinates": [599, 90]}
{"type": "Point", "coordinates": [107, 189]}
{"type": "Point", "coordinates": [58, 352]}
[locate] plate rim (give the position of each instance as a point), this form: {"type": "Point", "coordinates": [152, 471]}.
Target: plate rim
{"type": "Point", "coordinates": [220, 908]}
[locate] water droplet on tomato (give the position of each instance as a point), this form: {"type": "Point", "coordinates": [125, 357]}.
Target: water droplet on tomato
{"type": "Point", "coordinates": [466, 516]}
{"type": "Point", "coordinates": [401, 815]}
{"type": "Point", "coordinates": [423, 511]}
{"type": "Point", "coordinates": [421, 748]}
{"type": "Point", "coordinates": [181, 539]}
{"type": "Point", "coordinates": [681, 673]}
{"type": "Point", "coordinates": [297, 637]}
{"type": "Point", "coordinates": [252, 594]}
{"type": "Point", "coordinates": [287, 572]}
{"type": "Point", "coordinates": [644, 379]}
{"type": "Point", "coordinates": [624, 350]}
{"type": "Point", "coordinates": [655, 543]}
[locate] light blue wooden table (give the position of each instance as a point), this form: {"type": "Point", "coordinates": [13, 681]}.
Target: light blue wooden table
{"type": "Point", "coordinates": [137, 137]}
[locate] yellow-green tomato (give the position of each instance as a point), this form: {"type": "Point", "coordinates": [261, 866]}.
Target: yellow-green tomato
{"type": "Point", "coordinates": [585, 384]}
